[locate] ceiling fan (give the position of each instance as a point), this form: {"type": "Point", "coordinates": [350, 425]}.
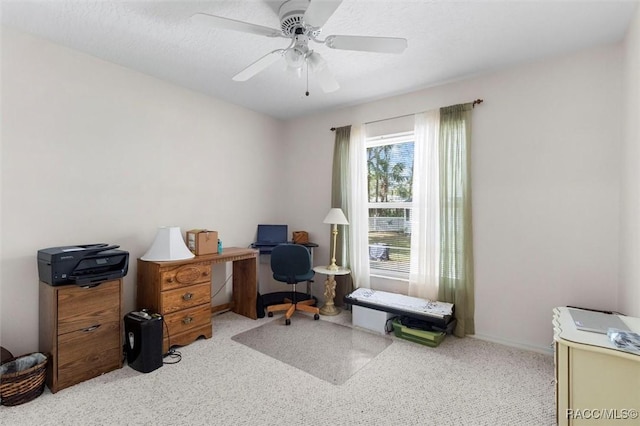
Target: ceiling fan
{"type": "Point", "coordinates": [302, 21]}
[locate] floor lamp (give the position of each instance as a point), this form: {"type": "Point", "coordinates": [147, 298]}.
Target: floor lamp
{"type": "Point", "coordinates": [335, 217]}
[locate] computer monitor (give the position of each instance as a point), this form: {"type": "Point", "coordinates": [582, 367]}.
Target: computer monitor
{"type": "Point", "coordinates": [271, 234]}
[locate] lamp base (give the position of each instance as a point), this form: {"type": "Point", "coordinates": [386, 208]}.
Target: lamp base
{"type": "Point", "coordinates": [333, 267]}
{"type": "Point", "coordinates": [329, 307]}
{"type": "Point", "coordinates": [329, 310]}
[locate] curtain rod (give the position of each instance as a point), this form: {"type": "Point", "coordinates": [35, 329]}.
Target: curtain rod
{"type": "Point", "coordinates": [473, 105]}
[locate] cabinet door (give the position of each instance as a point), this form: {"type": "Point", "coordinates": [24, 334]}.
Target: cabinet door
{"type": "Point", "coordinates": [603, 381]}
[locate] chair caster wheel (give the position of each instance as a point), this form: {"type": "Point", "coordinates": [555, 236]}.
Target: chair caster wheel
{"type": "Point", "coordinates": [287, 322]}
{"type": "Point", "coordinates": [316, 317]}
{"type": "Point", "coordinates": [270, 314]}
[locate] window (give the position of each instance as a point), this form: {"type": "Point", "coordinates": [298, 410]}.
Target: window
{"type": "Point", "coordinates": [390, 178]}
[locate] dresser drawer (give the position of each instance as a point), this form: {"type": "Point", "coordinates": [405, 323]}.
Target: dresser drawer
{"type": "Point", "coordinates": [188, 319]}
{"type": "Point", "coordinates": [185, 275]}
{"type": "Point", "coordinates": [80, 308]}
{"type": "Point", "coordinates": [88, 342]}
{"type": "Point", "coordinates": [187, 297]}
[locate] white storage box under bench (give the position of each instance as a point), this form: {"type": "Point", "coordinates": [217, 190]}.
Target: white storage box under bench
{"type": "Point", "coordinates": [372, 309]}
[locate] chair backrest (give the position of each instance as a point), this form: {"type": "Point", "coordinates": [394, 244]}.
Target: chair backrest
{"type": "Point", "coordinates": [291, 263]}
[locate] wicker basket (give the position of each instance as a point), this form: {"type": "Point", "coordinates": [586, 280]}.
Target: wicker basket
{"type": "Point", "coordinates": [22, 378]}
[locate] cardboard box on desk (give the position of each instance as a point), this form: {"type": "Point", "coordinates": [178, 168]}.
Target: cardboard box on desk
{"type": "Point", "coordinates": [202, 241]}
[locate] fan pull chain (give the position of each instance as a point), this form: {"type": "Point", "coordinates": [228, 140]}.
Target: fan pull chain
{"type": "Point", "coordinates": [307, 92]}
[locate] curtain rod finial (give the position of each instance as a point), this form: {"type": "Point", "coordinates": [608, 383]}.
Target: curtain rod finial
{"type": "Point", "coordinates": [477, 102]}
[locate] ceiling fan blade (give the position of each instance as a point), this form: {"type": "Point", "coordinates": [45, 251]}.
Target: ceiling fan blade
{"type": "Point", "coordinates": [259, 65]}
{"type": "Point", "coordinates": [367, 44]}
{"type": "Point", "coordinates": [319, 11]}
{"type": "Point", "coordinates": [321, 71]}
{"type": "Point", "coordinates": [326, 80]}
{"type": "Point", "coordinates": [232, 24]}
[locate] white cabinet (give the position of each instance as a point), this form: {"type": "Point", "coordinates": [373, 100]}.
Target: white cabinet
{"type": "Point", "coordinates": [596, 384]}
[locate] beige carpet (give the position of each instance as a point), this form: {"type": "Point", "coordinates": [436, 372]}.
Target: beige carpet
{"type": "Point", "coordinates": [329, 351]}
{"type": "Point", "coordinates": [222, 382]}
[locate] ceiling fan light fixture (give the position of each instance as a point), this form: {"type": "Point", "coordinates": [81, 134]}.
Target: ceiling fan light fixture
{"type": "Point", "coordinates": [318, 66]}
{"type": "Point", "coordinates": [294, 58]}
{"type": "Point", "coordinates": [316, 62]}
{"type": "Point", "coordinates": [294, 72]}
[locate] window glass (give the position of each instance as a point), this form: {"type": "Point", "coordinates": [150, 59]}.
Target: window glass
{"type": "Point", "coordinates": [390, 178]}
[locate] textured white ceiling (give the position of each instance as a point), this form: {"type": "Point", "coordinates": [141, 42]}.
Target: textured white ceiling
{"type": "Point", "coordinates": [447, 40]}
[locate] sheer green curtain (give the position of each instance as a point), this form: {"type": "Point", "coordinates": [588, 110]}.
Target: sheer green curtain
{"type": "Point", "coordinates": [456, 232]}
{"type": "Point", "coordinates": [349, 192]}
{"type": "Point", "coordinates": [340, 189]}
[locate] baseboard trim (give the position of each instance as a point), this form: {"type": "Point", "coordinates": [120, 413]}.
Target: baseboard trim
{"type": "Point", "coordinates": [539, 349]}
{"type": "Point", "coordinates": [225, 307]}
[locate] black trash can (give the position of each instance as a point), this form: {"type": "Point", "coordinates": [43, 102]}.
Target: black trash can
{"type": "Point", "coordinates": [143, 341]}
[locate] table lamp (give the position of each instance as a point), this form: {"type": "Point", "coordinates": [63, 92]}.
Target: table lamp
{"type": "Point", "coordinates": [335, 217]}
{"type": "Point", "coordinates": [168, 245]}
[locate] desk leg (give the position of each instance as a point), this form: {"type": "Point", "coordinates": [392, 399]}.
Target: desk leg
{"type": "Point", "coordinates": [245, 287]}
{"type": "Point", "coordinates": [329, 294]}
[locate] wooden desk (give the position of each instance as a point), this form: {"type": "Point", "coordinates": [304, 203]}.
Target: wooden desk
{"type": "Point", "coordinates": [181, 292]}
{"type": "Point", "coordinates": [595, 382]}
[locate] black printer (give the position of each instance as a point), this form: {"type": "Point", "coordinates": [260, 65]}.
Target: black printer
{"type": "Point", "coordinates": [82, 264]}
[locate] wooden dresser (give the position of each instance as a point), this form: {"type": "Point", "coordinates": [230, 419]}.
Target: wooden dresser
{"type": "Point", "coordinates": [81, 328]}
{"type": "Point", "coordinates": [596, 383]}
{"type": "Point", "coordinates": [181, 293]}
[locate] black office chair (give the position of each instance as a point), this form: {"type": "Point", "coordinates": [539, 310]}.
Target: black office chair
{"type": "Point", "coordinates": [291, 264]}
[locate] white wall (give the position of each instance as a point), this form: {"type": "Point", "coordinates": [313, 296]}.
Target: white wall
{"type": "Point", "coordinates": [545, 168]}
{"type": "Point", "coordinates": [630, 219]}
{"type": "Point", "coordinates": [94, 152]}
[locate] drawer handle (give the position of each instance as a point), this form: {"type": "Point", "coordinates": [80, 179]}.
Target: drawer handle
{"type": "Point", "coordinates": [205, 273]}
{"type": "Point", "coordinates": [90, 329]}
{"type": "Point", "coordinates": [187, 320]}
{"type": "Point", "coordinates": [187, 296]}
{"type": "Point", "coordinates": [169, 280]}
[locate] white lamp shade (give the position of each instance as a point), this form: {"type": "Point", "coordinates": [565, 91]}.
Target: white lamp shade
{"type": "Point", "coordinates": [168, 245]}
{"type": "Point", "coordinates": [335, 216]}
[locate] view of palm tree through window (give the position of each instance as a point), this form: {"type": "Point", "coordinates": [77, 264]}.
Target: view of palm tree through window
{"type": "Point", "coordinates": [390, 179]}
